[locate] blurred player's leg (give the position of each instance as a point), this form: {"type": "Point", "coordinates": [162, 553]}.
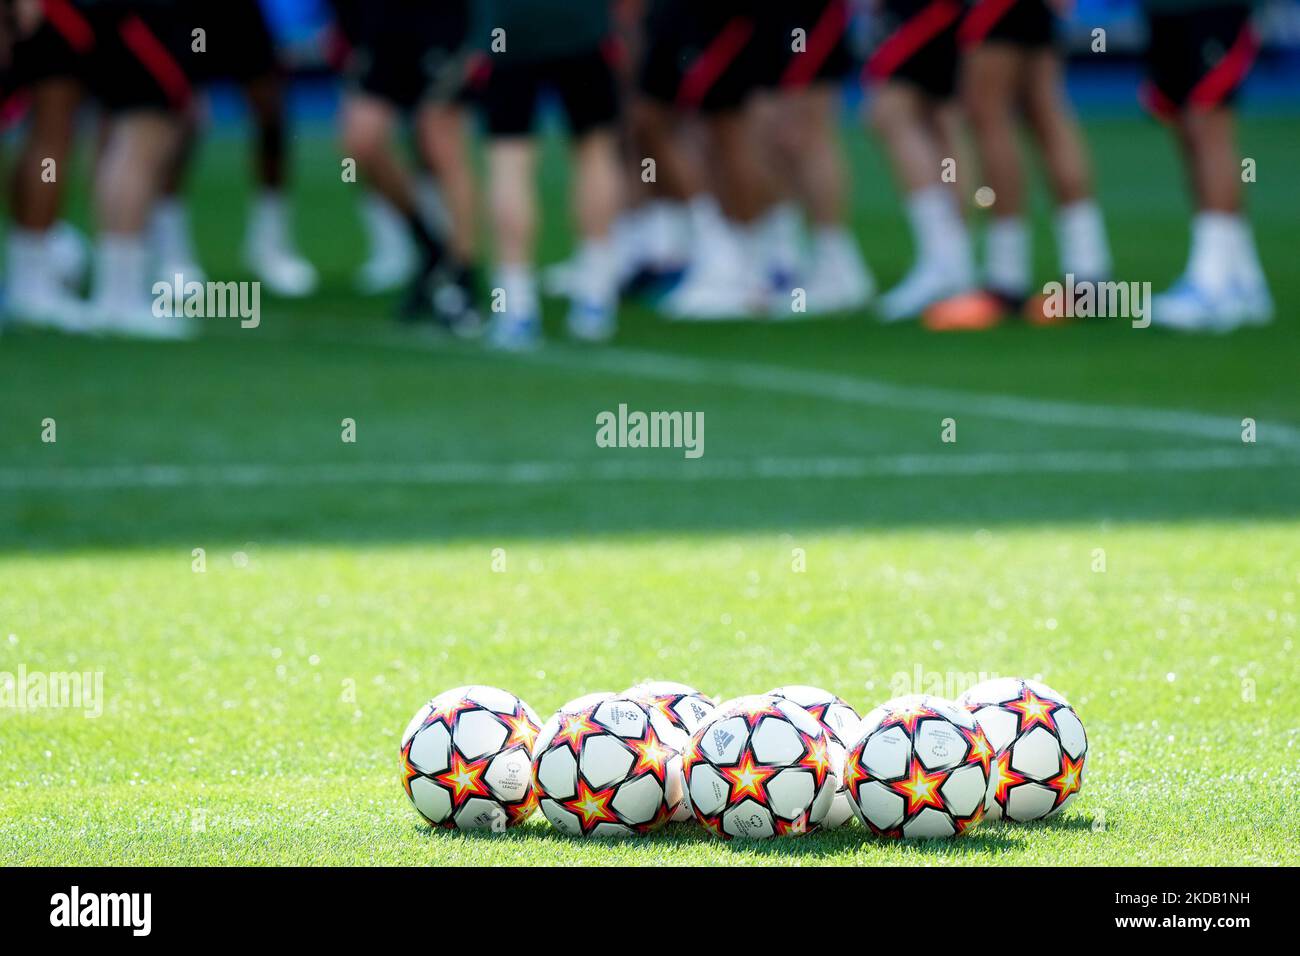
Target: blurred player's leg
{"type": "Point", "coordinates": [170, 236]}
{"type": "Point", "coordinates": [518, 321]}
{"type": "Point", "coordinates": [1198, 61]}
{"type": "Point", "coordinates": [137, 73]}
{"type": "Point", "coordinates": [412, 60]}
{"type": "Point", "coordinates": [588, 88]}
{"type": "Point", "coordinates": [367, 137]}
{"type": "Point", "coordinates": [47, 62]}
{"type": "Point", "coordinates": [269, 247]}
{"type": "Point", "coordinates": [391, 261]}
{"type": "Point", "coordinates": [239, 47]}
{"type": "Point", "coordinates": [991, 95]}
{"type": "Point", "coordinates": [443, 137]}
{"type": "Point", "coordinates": [1013, 67]}
{"type": "Point", "coordinates": [652, 230]}
{"type": "Point", "coordinates": [676, 213]}
{"type": "Point", "coordinates": [730, 277]}
{"type": "Point", "coordinates": [1082, 247]}
{"type": "Point", "coordinates": [564, 50]}
{"type": "Point", "coordinates": [914, 75]}
{"type": "Point", "coordinates": [806, 144]}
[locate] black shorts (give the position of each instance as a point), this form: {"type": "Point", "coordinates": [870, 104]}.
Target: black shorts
{"type": "Point", "coordinates": [237, 41]}
{"type": "Point", "coordinates": [808, 42]}
{"type": "Point", "coordinates": [1198, 60]}
{"type": "Point", "coordinates": [140, 56]}
{"type": "Point", "coordinates": [706, 56]}
{"type": "Point", "coordinates": [1024, 23]}
{"type": "Point", "coordinates": [584, 82]}
{"type": "Point", "coordinates": [410, 53]}
{"type": "Point", "coordinates": [665, 53]}
{"type": "Point", "coordinates": [918, 45]}
{"type": "Point", "coordinates": [58, 48]}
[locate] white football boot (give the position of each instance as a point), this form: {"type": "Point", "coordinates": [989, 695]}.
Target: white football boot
{"type": "Point", "coordinates": [1190, 307]}
{"type": "Point", "coordinates": [35, 297]}
{"type": "Point", "coordinates": [269, 252]}
{"type": "Point", "coordinates": [836, 277]}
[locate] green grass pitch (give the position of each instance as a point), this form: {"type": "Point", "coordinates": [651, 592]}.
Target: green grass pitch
{"type": "Point", "coordinates": [251, 712]}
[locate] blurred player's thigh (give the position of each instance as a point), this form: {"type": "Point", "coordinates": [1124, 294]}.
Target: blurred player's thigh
{"type": "Point", "coordinates": [411, 54]}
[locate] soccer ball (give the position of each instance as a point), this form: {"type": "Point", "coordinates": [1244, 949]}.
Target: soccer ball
{"type": "Point", "coordinates": [467, 758]}
{"type": "Point", "coordinates": [760, 768]}
{"type": "Point", "coordinates": [1039, 747]}
{"type": "Point", "coordinates": [684, 707]}
{"type": "Point", "coordinates": [606, 765]}
{"type": "Point", "coordinates": [918, 769]}
{"type": "Point", "coordinates": [840, 721]}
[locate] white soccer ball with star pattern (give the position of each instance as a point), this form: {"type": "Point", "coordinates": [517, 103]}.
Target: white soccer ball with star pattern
{"type": "Point", "coordinates": [919, 769]}
{"type": "Point", "coordinates": [840, 722]}
{"type": "Point", "coordinates": [606, 765]}
{"type": "Point", "coordinates": [1039, 747]}
{"type": "Point", "coordinates": [761, 767]}
{"type": "Point", "coordinates": [466, 759]}
{"type": "Point", "coordinates": [684, 707]}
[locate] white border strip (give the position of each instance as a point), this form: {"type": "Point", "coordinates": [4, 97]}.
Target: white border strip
{"type": "Point", "coordinates": [627, 468]}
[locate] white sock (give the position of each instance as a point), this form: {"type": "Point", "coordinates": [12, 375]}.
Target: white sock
{"type": "Point", "coordinates": [428, 197]}
{"type": "Point", "coordinates": [1007, 256]}
{"type": "Point", "coordinates": [939, 233]}
{"type": "Point", "coordinates": [834, 242]}
{"type": "Point", "coordinates": [1215, 239]}
{"type": "Point", "coordinates": [706, 222]}
{"type": "Point", "coordinates": [121, 271]}
{"type": "Point", "coordinates": [596, 281]}
{"type": "Point", "coordinates": [169, 232]}
{"type": "Point", "coordinates": [519, 287]}
{"type": "Point", "coordinates": [1081, 242]}
{"type": "Point", "coordinates": [782, 230]}
{"type": "Point", "coordinates": [270, 220]}
{"type": "Point", "coordinates": [630, 241]}
{"type": "Point", "coordinates": [666, 229]}
{"type": "Point", "coordinates": [28, 265]}
{"type": "Point", "coordinates": [385, 230]}
{"type": "Point", "coordinates": [1245, 259]}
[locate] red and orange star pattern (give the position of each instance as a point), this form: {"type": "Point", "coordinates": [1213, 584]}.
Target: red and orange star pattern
{"type": "Point", "coordinates": [748, 778]}
{"type": "Point", "coordinates": [1030, 709]}
{"type": "Point", "coordinates": [1069, 780]}
{"type": "Point", "coordinates": [920, 788]}
{"type": "Point", "coordinates": [1004, 778]}
{"type": "Point", "coordinates": [523, 732]}
{"type": "Point", "coordinates": [574, 729]}
{"type": "Point", "coordinates": [591, 806]}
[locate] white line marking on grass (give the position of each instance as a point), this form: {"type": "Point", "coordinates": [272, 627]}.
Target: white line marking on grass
{"type": "Point", "coordinates": [126, 477]}
{"type": "Point", "coordinates": [863, 391]}
{"type": "Point", "coordinates": [835, 386]}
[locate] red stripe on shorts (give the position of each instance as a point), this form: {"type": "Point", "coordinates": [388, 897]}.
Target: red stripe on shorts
{"type": "Point", "coordinates": [157, 60]}
{"type": "Point", "coordinates": [983, 17]}
{"type": "Point", "coordinates": [71, 25]}
{"type": "Point", "coordinates": [713, 62]}
{"type": "Point", "coordinates": [821, 43]}
{"type": "Point", "coordinates": [1227, 74]}
{"type": "Point", "coordinates": [903, 43]}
